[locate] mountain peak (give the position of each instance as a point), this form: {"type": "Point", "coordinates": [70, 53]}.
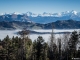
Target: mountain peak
{"type": "Point", "coordinates": [16, 13]}
{"type": "Point", "coordinates": [74, 12]}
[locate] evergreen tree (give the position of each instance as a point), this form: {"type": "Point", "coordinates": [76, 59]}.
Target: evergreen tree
{"type": "Point", "coordinates": [60, 52]}
{"type": "Point", "coordinates": [72, 44]}
{"type": "Point", "coordinates": [34, 50]}
{"type": "Point", "coordinates": [7, 46]}
{"type": "Point", "coordinates": [39, 49]}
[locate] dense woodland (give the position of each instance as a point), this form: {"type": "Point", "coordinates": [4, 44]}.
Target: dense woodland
{"type": "Point", "coordinates": [22, 48]}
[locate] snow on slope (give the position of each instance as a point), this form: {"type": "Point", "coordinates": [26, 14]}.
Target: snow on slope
{"type": "Point", "coordinates": [66, 13]}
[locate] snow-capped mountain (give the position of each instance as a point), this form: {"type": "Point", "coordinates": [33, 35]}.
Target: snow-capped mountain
{"type": "Point", "coordinates": [51, 17]}
{"type": "Point", "coordinates": [66, 13]}
{"type": "Point", "coordinates": [40, 18]}
{"type": "Point", "coordinates": [14, 17]}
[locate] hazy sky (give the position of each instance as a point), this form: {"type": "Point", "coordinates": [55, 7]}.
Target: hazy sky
{"type": "Point", "coordinates": [38, 6]}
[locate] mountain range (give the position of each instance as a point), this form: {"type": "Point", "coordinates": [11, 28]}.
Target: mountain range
{"type": "Point", "coordinates": [63, 20]}
{"type": "Point", "coordinates": [40, 18]}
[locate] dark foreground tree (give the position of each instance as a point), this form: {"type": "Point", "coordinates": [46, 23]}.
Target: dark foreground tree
{"type": "Point", "coordinates": [72, 44]}
{"type": "Point", "coordinates": [39, 49]}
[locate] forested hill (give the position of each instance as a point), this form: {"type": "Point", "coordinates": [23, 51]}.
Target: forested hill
{"type": "Point", "coordinates": [64, 24]}
{"type": "Point", "coordinates": [60, 24]}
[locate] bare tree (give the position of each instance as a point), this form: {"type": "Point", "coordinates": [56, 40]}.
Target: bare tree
{"type": "Point", "coordinates": [65, 45]}
{"type": "Point", "coordinates": [65, 39]}
{"type": "Point", "coordinates": [24, 33]}
{"type": "Point", "coordinates": [52, 47]}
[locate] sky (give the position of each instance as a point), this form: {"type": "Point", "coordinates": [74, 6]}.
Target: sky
{"type": "Point", "coordinates": [39, 6]}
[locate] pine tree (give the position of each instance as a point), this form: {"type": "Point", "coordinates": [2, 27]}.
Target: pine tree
{"type": "Point", "coordinates": [60, 52]}
{"type": "Point", "coordinates": [39, 47]}
{"type": "Point", "coordinates": [34, 50]}
{"type": "Point", "coordinates": [72, 44]}
{"type": "Point", "coordinates": [6, 46]}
